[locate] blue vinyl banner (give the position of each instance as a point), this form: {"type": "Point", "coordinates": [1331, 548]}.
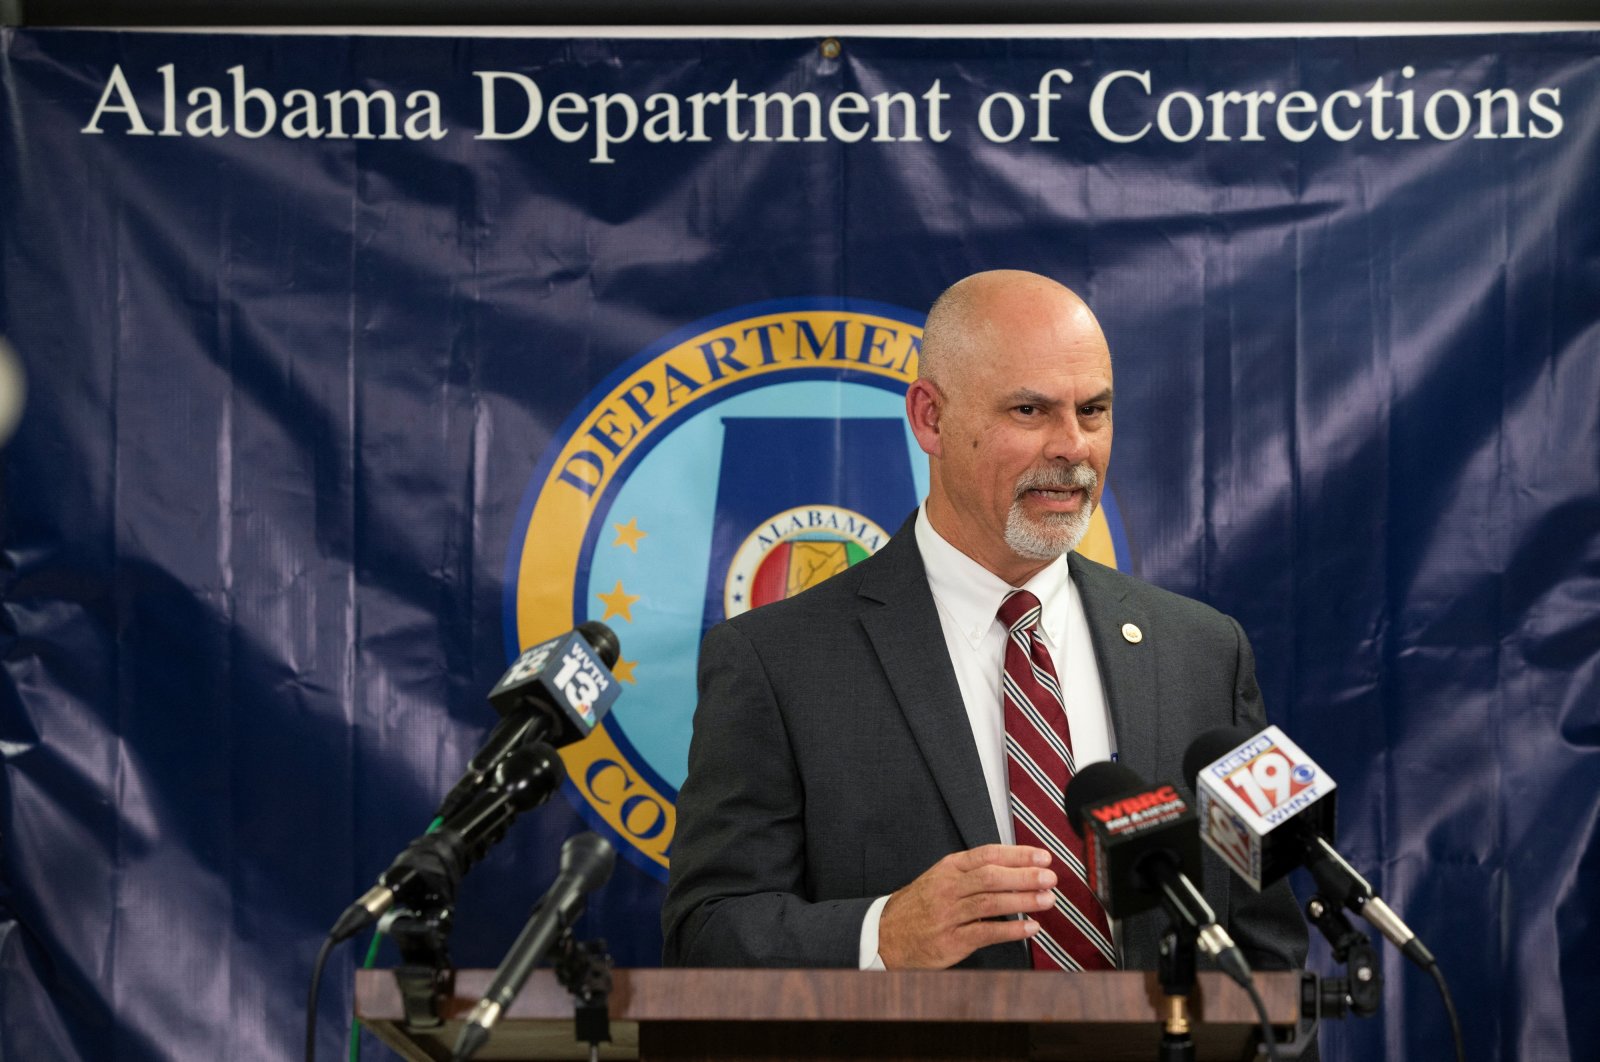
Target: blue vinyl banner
{"type": "Point", "coordinates": [354, 365]}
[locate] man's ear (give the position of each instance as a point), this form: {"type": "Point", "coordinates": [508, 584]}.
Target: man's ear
{"type": "Point", "coordinates": [924, 406]}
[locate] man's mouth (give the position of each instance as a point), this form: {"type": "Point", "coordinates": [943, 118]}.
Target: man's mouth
{"type": "Point", "coordinates": [1058, 490]}
{"type": "Point", "coordinates": [1063, 498]}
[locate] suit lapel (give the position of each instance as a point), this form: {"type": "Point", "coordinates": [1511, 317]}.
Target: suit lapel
{"type": "Point", "coordinates": [1127, 668]}
{"type": "Point", "coordinates": [905, 633]}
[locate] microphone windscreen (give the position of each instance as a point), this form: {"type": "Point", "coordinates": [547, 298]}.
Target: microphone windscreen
{"type": "Point", "coordinates": [603, 639]}
{"type": "Point", "coordinates": [1209, 748]}
{"type": "Point", "coordinates": [588, 859]}
{"type": "Point", "coordinates": [1096, 784]}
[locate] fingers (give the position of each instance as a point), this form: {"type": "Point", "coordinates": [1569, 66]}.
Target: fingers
{"type": "Point", "coordinates": [990, 879]}
{"type": "Point", "coordinates": [985, 905]}
{"type": "Point", "coordinates": [1001, 855]}
{"type": "Point", "coordinates": [977, 935]}
{"type": "Point", "coordinates": [1001, 868]}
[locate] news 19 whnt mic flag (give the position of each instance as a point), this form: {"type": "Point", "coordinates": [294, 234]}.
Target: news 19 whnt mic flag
{"type": "Point", "coordinates": [357, 364]}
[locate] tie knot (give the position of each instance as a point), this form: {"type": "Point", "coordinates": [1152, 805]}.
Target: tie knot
{"type": "Point", "coordinates": [1019, 611]}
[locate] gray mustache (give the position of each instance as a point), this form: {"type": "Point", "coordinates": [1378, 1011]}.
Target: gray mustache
{"type": "Point", "coordinates": [1079, 477]}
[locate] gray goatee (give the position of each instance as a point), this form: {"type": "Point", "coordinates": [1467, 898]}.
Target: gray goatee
{"type": "Point", "coordinates": [1049, 535]}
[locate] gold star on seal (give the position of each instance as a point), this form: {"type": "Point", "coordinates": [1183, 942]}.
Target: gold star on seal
{"type": "Point", "coordinates": [628, 534]}
{"type": "Point", "coordinates": [623, 669]}
{"type": "Point", "coordinates": [618, 603]}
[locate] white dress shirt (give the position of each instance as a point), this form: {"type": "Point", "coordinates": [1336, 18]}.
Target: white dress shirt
{"type": "Point", "coordinates": [968, 597]}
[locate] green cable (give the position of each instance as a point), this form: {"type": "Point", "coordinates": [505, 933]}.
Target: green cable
{"type": "Point", "coordinates": [372, 957]}
{"type": "Point", "coordinates": [355, 1024]}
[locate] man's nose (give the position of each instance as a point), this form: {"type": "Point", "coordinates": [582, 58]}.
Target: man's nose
{"type": "Point", "coordinates": [1067, 441]}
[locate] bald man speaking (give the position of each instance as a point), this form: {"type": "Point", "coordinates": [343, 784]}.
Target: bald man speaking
{"type": "Point", "coordinates": [877, 764]}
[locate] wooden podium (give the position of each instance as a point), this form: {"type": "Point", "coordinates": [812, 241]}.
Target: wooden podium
{"type": "Point", "coordinates": [769, 1015]}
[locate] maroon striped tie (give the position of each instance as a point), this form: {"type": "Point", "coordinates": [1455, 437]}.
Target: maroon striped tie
{"type": "Point", "coordinates": [1074, 934]}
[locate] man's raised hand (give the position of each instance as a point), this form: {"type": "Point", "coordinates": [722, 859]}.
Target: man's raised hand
{"type": "Point", "coordinates": [962, 903]}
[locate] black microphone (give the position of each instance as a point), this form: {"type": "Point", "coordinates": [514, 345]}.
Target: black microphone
{"type": "Point", "coordinates": [1266, 808]}
{"type": "Point", "coordinates": [1141, 846]}
{"type": "Point", "coordinates": [425, 875]}
{"type": "Point", "coordinates": [586, 862]}
{"type": "Point", "coordinates": [555, 692]}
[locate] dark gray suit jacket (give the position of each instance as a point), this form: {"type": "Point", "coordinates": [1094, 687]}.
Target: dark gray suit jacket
{"type": "Point", "coordinates": [832, 762]}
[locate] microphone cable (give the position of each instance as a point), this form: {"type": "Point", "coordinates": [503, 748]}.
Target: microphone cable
{"type": "Point", "coordinates": [323, 952]}
{"type": "Point", "coordinates": [1267, 1038]}
{"type": "Point", "coordinates": [367, 964]}
{"type": "Point", "coordinates": [1450, 1010]}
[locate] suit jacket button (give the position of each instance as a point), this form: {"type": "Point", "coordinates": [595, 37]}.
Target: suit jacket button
{"type": "Point", "coordinates": [1132, 633]}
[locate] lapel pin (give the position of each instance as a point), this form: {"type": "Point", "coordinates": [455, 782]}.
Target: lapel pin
{"type": "Point", "coordinates": [1132, 633]}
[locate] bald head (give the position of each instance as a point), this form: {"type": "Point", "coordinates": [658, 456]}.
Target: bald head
{"type": "Point", "coordinates": [975, 312]}
{"type": "Point", "coordinates": [1012, 405]}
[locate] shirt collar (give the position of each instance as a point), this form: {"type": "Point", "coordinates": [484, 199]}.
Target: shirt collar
{"type": "Point", "coordinates": [972, 594]}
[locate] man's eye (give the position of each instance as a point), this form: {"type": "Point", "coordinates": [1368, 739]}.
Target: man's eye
{"type": "Point", "coordinates": [1027, 411]}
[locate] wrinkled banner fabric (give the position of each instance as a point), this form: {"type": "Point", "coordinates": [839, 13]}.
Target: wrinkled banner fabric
{"type": "Point", "coordinates": [356, 364]}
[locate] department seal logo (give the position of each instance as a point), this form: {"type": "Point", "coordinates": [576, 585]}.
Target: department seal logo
{"type": "Point", "coordinates": [733, 463]}
{"type": "Point", "coordinates": [794, 551]}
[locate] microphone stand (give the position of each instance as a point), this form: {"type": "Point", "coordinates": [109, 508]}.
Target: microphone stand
{"type": "Point", "coordinates": [426, 976]}
{"type": "Point", "coordinates": [585, 971]}
{"type": "Point", "coordinates": [1362, 991]}
{"type": "Point", "coordinates": [1176, 971]}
